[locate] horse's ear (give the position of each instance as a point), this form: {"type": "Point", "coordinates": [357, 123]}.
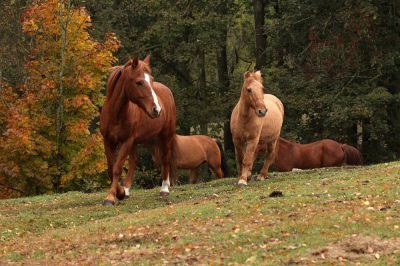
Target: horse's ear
{"type": "Point", "coordinates": [258, 74]}
{"type": "Point", "coordinates": [147, 59]}
{"type": "Point", "coordinates": [135, 61]}
{"type": "Point", "coordinates": [246, 74]}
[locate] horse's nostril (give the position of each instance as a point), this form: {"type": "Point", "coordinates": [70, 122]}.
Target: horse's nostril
{"type": "Point", "coordinates": [155, 111]}
{"type": "Point", "coordinates": [261, 112]}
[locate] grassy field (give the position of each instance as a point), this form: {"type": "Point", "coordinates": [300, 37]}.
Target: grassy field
{"type": "Point", "coordinates": [324, 217]}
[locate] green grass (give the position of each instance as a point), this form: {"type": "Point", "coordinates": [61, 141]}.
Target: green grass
{"type": "Point", "coordinates": [212, 223]}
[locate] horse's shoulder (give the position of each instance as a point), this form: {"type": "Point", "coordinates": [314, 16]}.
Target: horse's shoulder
{"type": "Point", "coordinates": [270, 98]}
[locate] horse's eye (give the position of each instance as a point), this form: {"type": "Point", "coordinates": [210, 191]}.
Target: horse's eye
{"type": "Point", "coordinates": [248, 89]}
{"type": "Point", "coordinates": [139, 83]}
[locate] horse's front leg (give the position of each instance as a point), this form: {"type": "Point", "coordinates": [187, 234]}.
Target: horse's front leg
{"type": "Point", "coordinates": [117, 190]}
{"type": "Point", "coordinates": [271, 150]}
{"type": "Point", "coordinates": [132, 160]}
{"type": "Point", "coordinates": [166, 157]}
{"type": "Point", "coordinates": [248, 160]}
{"type": "Point", "coordinates": [238, 155]}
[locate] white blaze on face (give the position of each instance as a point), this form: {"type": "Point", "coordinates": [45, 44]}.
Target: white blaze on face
{"type": "Point", "coordinates": [165, 185]}
{"type": "Point", "coordinates": [155, 99]}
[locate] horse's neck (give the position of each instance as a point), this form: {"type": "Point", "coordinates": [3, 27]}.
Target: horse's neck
{"type": "Point", "coordinates": [245, 114]}
{"type": "Point", "coordinates": [286, 145]}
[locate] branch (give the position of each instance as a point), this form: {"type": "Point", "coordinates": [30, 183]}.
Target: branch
{"type": "Point", "coordinates": [15, 189]}
{"type": "Point", "coordinates": [347, 83]}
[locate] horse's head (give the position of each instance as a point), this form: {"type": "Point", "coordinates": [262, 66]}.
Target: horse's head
{"type": "Point", "coordinates": [138, 86]}
{"type": "Point", "coordinates": [253, 92]}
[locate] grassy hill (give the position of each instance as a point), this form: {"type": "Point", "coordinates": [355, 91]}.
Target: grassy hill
{"type": "Point", "coordinates": [325, 216]}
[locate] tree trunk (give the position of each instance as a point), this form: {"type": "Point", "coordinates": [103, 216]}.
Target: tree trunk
{"type": "Point", "coordinates": [261, 38]}
{"type": "Point", "coordinates": [359, 135]}
{"type": "Point", "coordinates": [65, 17]}
{"type": "Point", "coordinates": [223, 81]}
{"type": "Point", "coordinates": [222, 69]}
{"type": "Point", "coordinates": [202, 90]}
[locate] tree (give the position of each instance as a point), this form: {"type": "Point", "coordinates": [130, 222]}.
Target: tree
{"type": "Point", "coordinates": [332, 64]}
{"type": "Point", "coordinates": [261, 39]}
{"type": "Point", "coordinates": [48, 126]}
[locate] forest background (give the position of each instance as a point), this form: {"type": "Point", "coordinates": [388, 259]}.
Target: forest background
{"type": "Point", "coordinates": [334, 64]}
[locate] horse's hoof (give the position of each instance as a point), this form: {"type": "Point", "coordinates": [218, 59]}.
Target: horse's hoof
{"type": "Point", "coordinates": [242, 183]}
{"type": "Point", "coordinates": [260, 178]}
{"type": "Point", "coordinates": [121, 195]}
{"type": "Point", "coordinates": [164, 193]}
{"type": "Point", "coordinates": [108, 203]}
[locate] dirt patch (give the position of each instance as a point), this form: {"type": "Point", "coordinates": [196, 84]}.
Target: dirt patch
{"type": "Point", "coordinates": [358, 247]}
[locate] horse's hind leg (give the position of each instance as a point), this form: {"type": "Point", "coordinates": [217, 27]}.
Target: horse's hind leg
{"type": "Point", "coordinates": [214, 162]}
{"type": "Point", "coordinates": [193, 175]}
{"type": "Point", "coordinates": [271, 148]}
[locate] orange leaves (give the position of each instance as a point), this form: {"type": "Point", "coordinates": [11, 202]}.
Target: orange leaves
{"type": "Point", "coordinates": [28, 121]}
{"type": "Point", "coordinates": [88, 162]}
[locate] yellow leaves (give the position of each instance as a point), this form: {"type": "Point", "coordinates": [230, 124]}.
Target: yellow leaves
{"type": "Point", "coordinates": [29, 120]}
{"type": "Point", "coordinates": [29, 27]}
{"type": "Point", "coordinates": [89, 161]}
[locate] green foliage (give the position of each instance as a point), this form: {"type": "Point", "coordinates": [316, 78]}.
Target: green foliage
{"type": "Point", "coordinates": [334, 64]}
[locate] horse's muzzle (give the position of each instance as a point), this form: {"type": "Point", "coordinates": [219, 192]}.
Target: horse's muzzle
{"type": "Point", "coordinates": [261, 112]}
{"type": "Point", "coordinates": [155, 112]}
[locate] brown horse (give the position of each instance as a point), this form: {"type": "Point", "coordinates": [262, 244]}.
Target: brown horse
{"type": "Point", "coordinates": [256, 118]}
{"type": "Point", "coordinates": [352, 155]}
{"type": "Point", "coordinates": [192, 151]}
{"type": "Point", "coordinates": [322, 153]}
{"type": "Point", "coordinates": [137, 110]}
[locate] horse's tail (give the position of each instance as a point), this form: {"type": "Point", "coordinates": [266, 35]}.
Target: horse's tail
{"type": "Point", "coordinates": [352, 155]}
{"type": "Point", "coordinates": [224, 166]}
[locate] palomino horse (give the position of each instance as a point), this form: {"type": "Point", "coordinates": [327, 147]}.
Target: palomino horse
{"type": "Point", "coordinates": [322, 153]}
{"type": "Point", "coordinates": [136, 111]}
{"type": "Point", "coordinates": [256, 118]}
{"type": "Point", "coordinates": [192, 151]}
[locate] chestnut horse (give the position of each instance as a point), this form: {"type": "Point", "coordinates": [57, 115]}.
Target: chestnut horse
{"type": "Point", "coordinates": [192, 151]}
{"type": "Point", "coordinates": [322, 153]}
{"type": "Point", "coordinates": [256, 118]}
{"type": "Point", "coordinates": [137, 110]}
{"type": "Point", "coordinates": [352, 155]}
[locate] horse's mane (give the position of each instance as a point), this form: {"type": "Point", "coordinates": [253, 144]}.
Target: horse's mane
{"type": "Point", "coordinates": [256, 75]}
{"type": "Point", "coordinates": [115, 73]}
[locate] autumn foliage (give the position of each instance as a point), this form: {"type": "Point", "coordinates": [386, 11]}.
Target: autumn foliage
{"type": "Point", "coordinates": [29, 156]}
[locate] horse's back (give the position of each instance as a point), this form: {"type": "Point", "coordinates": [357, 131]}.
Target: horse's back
{"type": "Point", "coordinates": [332, 153]}
{"type": "Point", "coordinates": [190, 150]}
